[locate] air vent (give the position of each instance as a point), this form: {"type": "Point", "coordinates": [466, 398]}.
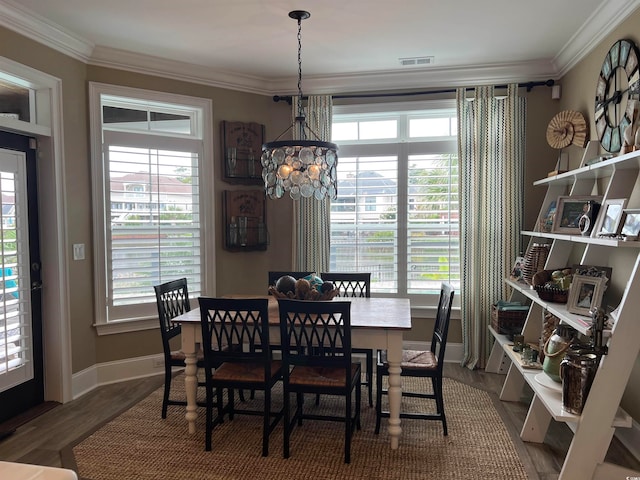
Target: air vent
{"type": "Point", "coordinates": [408, 62]}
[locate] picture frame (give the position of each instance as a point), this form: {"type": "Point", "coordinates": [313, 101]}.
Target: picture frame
{"type": "Point", "coordinates": [516, 272]}
{"type": "Point", "coordinates": [585, 293]}
{"type": "Point", "coordinates": [570, 210]}
{"type": "Point", "coordinates": [594, 271]}
{"type": "Point", "coordinates": [610, 216]}
{"type": "Point", "coordinates": [546, 220]}
{"type": "Point", "coordinates": [630, 223]}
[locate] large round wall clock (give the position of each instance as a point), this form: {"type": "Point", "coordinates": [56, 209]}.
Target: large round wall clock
{"type": "Point", "coordinates": [618, 80]}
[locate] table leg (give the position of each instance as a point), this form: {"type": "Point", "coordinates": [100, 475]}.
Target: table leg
{"type": "Point", "coordinates": [394, 357]}
{"type": "Point", "coordinates": [190, 373]}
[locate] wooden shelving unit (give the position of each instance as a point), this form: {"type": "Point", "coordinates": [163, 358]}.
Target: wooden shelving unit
{"type": "Point", "coordinates": [594, 428]}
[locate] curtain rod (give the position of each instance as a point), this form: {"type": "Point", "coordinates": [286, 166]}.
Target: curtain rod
{"type": "Point", "coordinates": [529, 86]}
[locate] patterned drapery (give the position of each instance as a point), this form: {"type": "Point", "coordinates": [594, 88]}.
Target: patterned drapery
{"type": "Point", "coordinates": [491, 150]}
{"type": "Point", "coordinates": [311, 223]}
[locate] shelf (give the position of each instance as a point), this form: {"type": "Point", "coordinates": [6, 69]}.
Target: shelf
{"type": "Point", "coordinates": [552, 399]}
{"type": "Point", "coordinates": [628, 161]}
{"type": "Point", "coordinates": [606, 242]}
{"type": "Point", "coordinates": [581, 323]}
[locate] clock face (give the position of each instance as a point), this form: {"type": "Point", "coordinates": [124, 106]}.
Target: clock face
{"type": "Point", "coordinates": [618, 78]}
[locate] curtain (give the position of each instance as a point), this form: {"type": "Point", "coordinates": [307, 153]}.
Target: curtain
{"type": "Point", "coordinates": [491, 149]}
{"type": "Point", "coordinates": [311, 224]}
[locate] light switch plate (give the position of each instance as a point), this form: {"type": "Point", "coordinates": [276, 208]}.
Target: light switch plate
{"type": "Point", "coordinates": [78, 251]}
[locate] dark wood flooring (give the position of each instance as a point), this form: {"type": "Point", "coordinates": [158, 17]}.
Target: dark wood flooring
{"type": "Point", "coordinates": [41, 440]}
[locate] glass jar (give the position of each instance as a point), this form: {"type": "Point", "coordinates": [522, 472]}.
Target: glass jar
{"type": "Point", "coordinates": [554, 350]}
{"type": "Point", "coordinates": [577, 369]}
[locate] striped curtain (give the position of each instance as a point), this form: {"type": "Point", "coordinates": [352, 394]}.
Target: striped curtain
{"type": "Point", "coordinates": [311, 223]}
{"type": "Point", "coordinates": [491, 150]}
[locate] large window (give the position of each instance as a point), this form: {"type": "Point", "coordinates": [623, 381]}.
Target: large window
{"type": "Point", "coordinates": [151, 217]}
{"type": "Point", "coordinates": [397, 212]}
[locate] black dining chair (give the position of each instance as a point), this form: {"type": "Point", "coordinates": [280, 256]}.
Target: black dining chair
{"type": "Point", "coordinates": [172, 299]}
{"type": "Point", "coordinates": [316, 355]}
{"type": "Point", "coordinates": [355, 285]}
{"type": "Point", "coordinates": [237, 355]}
{"type": "Point", "coordinates": [421, 363]}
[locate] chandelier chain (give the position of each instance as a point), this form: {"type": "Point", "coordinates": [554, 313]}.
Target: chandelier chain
{"type": "Point", "coordinates": [300, 109]}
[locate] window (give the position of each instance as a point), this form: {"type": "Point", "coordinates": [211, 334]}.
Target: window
{"type": "Point", "coordinates": [397, 211]}
{"type": "Point", "coordinates": [150, 205]}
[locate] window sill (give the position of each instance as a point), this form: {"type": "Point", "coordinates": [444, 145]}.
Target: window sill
{"type": "Point", "coordinates": [125, 326]}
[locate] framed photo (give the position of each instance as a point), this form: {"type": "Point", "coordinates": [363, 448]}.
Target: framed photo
{"type": "Point", "coordinates": [546, 220]}
{"type": "Point", "coordinates": [610, 216]}
{"type": "Point", "coordinates": [585, 293]}
{"type": "Point", "coordinates": [569, 212]}
{"type": "Point", "coordinates": [594, 271]}
{"type": "Point", "coordinates": [630, 223]}
{"type": "Point", "coordinates": [516, 271]}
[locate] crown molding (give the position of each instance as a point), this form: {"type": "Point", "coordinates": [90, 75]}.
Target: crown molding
{"type": "Point", "coordinates": [600, 23]}
{"type": "Point", "coordinates": [23, 21]}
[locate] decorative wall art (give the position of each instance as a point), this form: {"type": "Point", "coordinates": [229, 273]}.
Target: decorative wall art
{"type": "Point", "coordinates": [241, 149]}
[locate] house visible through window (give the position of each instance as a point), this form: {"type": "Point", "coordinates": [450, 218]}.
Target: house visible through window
{"type": "Point", "coordinates": [150, 222]}
{"type": "Point", "coordinates": [397, 213]}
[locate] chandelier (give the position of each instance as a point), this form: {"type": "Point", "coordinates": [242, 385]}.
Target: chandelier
{"type": "Point", "coordinates": [306, 167]}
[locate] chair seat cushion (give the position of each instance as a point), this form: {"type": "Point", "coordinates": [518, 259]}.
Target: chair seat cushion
{"type": "Point", "coordinates": [244, 372]}
{"type": "Point", "coordinates": [414, 360]}
{"type": "Point", "coordinates": [320, 376]}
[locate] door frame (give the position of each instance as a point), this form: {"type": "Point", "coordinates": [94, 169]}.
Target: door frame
{"type": "Point", "coordinates": [47, 129]}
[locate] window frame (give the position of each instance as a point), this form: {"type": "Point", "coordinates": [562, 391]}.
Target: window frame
{"type": "Point", "coordinates": [403, 147]}
{"type": "Point", "coordinates": [146, 317]}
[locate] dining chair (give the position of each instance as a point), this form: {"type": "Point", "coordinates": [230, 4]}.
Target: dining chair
{"type": "Point", "coordinates": [421, 363]}
{"type": "Point", "coordinates": [172, 299]}
{"type": "Point", "coordinates": [231, 331]}
{"type": "Point", "coordinates": [355, 285]}
{"type": "Point", "coordinates": [316, 355]}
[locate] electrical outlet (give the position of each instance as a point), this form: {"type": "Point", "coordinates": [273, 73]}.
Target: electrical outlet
{"type": "Point", "coordinates": [158, 362]}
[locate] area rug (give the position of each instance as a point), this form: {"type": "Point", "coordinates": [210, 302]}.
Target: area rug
{"type": "Point", "coordinates": [139, 445]}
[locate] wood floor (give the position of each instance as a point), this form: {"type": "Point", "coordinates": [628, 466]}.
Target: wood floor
{"type": "Point", "coordinates": [41, 440]}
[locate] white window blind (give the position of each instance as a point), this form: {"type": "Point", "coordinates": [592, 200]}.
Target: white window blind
{"type": "Point", "coordinates": [16, 351]}
{"type": "Point", "coordinates": [397, 211]}
{"type": "Point", "coordinates": [154, 227]}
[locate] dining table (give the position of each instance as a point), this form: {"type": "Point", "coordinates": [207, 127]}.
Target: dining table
{"type": "Point", "coordinates": [376, 323]}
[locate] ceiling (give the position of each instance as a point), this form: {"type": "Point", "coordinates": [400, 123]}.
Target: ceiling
{"type": "Point", "coordinates": [347, 46]}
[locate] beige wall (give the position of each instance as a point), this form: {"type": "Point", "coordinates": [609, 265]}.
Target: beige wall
{"type": "Point", "coordinates": [578, 93]}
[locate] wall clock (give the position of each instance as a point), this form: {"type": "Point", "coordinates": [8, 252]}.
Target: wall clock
{"type": "Point", "coordinates": [618, 79]}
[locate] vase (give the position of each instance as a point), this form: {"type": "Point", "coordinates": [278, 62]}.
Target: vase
{"type": "Point", "coordinates": [554, 350]}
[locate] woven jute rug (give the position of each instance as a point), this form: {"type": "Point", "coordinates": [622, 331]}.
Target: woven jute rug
{"type": "Point", "coordinates": [139, 445]}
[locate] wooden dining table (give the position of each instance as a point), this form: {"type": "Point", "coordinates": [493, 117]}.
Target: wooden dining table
{"type": "Point", "coordinates": [376, 323]}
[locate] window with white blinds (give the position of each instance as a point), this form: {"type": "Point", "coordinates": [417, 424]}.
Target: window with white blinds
{"type": "Point", "coordinates": [151, 166]}
{"type": "Point", "coordinates": [16, 352]}
{"type": "Point", "coordinates": [397, 211]}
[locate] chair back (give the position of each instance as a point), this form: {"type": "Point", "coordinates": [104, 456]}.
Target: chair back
{"type": "Point", "coordinates": [234, 330]}
{"type": "Point", "coordinates": [172, 299]}
{"type": "Point", "coordinates": [441, 328]}
{"type": "Point", "coordinates": [350, 284]}
{"type": "Point", "coordinates": [274, 276]}
{"type": "Point", "coordinates": [315, 333]}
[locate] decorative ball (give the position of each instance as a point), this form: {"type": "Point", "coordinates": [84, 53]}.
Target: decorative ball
{"type": "Point", "coordinates": [315, 281]}
{"type": "Point", "coordinates": [302, 288]}
{"type": "Point", "coordinates": [286, 284]}
{"type": "Point", "coordinates": [326, 287]}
